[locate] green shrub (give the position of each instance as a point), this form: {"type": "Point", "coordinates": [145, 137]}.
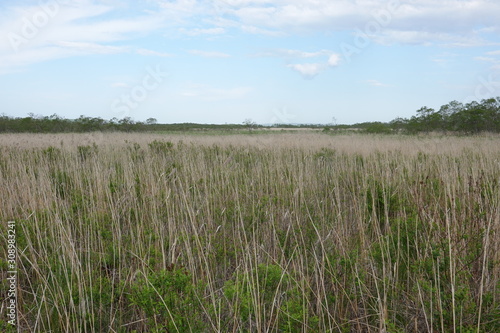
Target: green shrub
{"type": "Point", "coordinates": [160, 147]}
{"type": "Point", "coordinates": [268, 295]}
{"type": "Point", "coordinates": [85, 152]}
{"type": "Point", "coordinates": [170, 299]}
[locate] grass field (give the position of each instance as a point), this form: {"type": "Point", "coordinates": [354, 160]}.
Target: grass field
{"type": "Point", "coordinates": [278, 232]}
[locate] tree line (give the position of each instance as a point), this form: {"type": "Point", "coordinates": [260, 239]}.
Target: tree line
{"type": "Point", "coordinates": [464, 118]}
{"type": "Point", "coordinates": [57, 124]}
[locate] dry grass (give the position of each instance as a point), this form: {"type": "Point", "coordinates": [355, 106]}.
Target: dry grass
{"type": "Point", "coordinates": [306, 140]}
{"type": "Point", "coordinates": [300, 232]}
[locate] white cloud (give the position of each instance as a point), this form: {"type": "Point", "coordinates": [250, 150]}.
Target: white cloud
{"type": "Point", "coordinates": [491, 59]}
{"type": "Point", "coordinates": [12, 62]}
{"type": "Point", "coordinates": [239, 3]}
{"type": "Point", "coordinates": [487, 59]}
{"type": "Point", "coordinates": [93, 26]}
{"type": "Point", "coordinates": [308, 70]}
{"type": "Point", "coordinates": [259, 31]}
{"type": "Point", "coordinates": [92, 48]}
{"type": "Point", "coordinates": [36, 34]}
{"type": "Point", "coordinates": [325, 59]}
{"type": "Point", "coordinates": [447, 20]}
{"type": "Point", "coordinates": [180, 8]}
{"type": "Point", "coordinates": [290, 53]}
{"type": "Point", "coordinates": [199, 31]}
{"type": "Point", "coordinates": [334, 60]}
{"type": "Point", "coordinates": [147, 52]}
{"type": "Point", "coordinates": [209, 54]}
{"type": "Point", "coordinates": [425, 38]}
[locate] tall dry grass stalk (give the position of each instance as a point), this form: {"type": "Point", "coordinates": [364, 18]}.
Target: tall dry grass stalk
{"type": "Point", "coordinates": [285, 232]}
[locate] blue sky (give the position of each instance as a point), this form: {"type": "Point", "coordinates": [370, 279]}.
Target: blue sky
{"type": "Point", "coordinates": [224, 61]}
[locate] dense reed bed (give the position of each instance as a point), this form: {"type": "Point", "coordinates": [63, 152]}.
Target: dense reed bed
{"type": "Point", "coordinates": [300, 232]}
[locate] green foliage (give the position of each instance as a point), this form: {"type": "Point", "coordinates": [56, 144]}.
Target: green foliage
{"type": "Point", "coordinates": [161, 147]}
{"type": "Point", "coordinates": [270, 239]}
{"type": "Point", "coordinates": [136, 152]}
{"type": "Point", "coordinates": [62, 183]}
{"type": "Point", "coordinates": [6, 327]}
{"type": "Point", "coordinates": [85, 152]}
{"type": "Point", "coordinates": [377, 128]}
{"type": "Point", "coordinates": [170, 300]}
{"type": "Point", "coordinates": [267, 293]}
{"type": "Point", "coordinates": [52, 153]}
{"type": "Point", "coordinates": [57, 124]}
{"type": "Point", "coordinates": [325, 154]}
{"type": "Point", "coordinates": [470, 118]}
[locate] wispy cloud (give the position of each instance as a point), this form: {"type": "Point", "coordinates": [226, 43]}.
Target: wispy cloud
{"type": "Point", "coordinates": [493, 58]}
{"type": "Point", "coordinates": [94, 26]}
{"type": "Point", "coordinates": [428, 38]}
{"type": "Point", "coordinates": [67, 29]}
{"type": "Point", "coordinates": [413, 22]}
{"type": "Point", "coordinates": [493, 53]}
{"type": "Point", "coordinates": [487, 59]}
{"type": "Point", "coordinates": [88, 26]}
{"type": "Point", "coordinates": [201, 31]}
{"type": "Point", "coordinates": [147, 52]}
{"type": "Point", "coordinates": [308, 70]}
{"type": "Point", "coordinates": [324, 60]}
{"type": "Point", "coordinates": [89, 48]}
{"type": "Point", "coordinates": [251, 29]}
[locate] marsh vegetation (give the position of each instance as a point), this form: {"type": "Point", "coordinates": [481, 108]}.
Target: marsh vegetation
{"type": "Point", "coordinates": [302, 232]}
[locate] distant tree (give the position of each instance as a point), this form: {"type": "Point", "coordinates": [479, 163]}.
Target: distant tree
{"type": "Point", "coordinates": [151, 121]}
{"type": "Point", "coordinates": [425, 112]}
{"type": "Point", "coordinates": [399, 124]}
{"type": "Point", "coordinates": [429, 120]}
{"type": "Point", "coordinates": [126, 124]}
{"type": "Point", "coordinates": [376, 127]}
{"type": "Point", "coordinates": [249, 124]}
{"type": "Point", "coordinates": [473, 117]}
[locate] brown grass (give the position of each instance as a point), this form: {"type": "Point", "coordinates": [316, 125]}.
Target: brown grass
{"type": "Point", "coordinates": [288, 232]}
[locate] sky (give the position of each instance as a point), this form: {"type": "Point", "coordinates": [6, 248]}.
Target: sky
{"type": "Point", "coordinates": [227, 61]}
